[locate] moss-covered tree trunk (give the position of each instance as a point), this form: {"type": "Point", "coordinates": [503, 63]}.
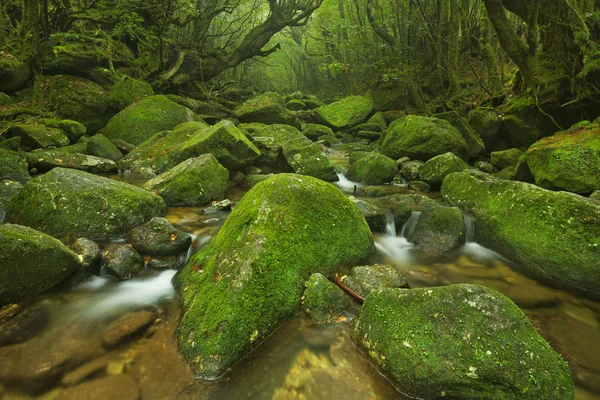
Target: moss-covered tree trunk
{"type": "Point", "coordinates": [489, 58]}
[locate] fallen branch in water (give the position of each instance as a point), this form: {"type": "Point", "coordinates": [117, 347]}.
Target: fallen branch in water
{"type": "Point", "coordinates": [347, 289]}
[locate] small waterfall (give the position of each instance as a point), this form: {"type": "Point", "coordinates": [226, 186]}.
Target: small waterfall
{"type": "Point", "coordinates": [346, 185]}
{"type": "Point", "coordinates": [390, 225]}
{"type": "Point", "coordinates": [469, 229]}
{"type": "Point", "coordinates": [409, 226]}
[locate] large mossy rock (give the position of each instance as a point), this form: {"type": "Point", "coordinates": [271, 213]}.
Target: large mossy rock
{"type": "Point", "coordinates": [460, 342]}
{"type": "Point", "coordinates": [99, 146]}
{"type": "Point", "coordinates": [13, 167]}
{"type": "Point", "coordinates": [31, 262]}
{"type": "Point", "coordinates": [346, 113]}
{"type": "Point", "coordinates": [223, 140]}
{"type": "Point", "coordinates": [436, 169]}
{"type": "Point", "coordinates": [323, 300]}
{"type": "Point", "coordinates": [306, 158]}
{"type": "Point", "coordinates": [38, 136]}
{"type": "Point", "coordinates": [268, 108]}
{"type": "Point", "coordinates": [567, 161]}
{"type": "Point", "coordinates": [556, 235]}
{"type": "Point", "coordinates": [422, 138]}
{"type": "Point", "coordinates": [128, 91]}
{"type": "Point", "coordinates": [44, 161]}
{"type": "Point", "coordinates": [250, 277]}
{"type": "Point", "coordinates": [7, 190]}
{"type": "Point", "coordinates": [439, 230]}
{"type": "Point", "coordinates": [69, 204]}
{"type": "Point", "coordinates": [77, 99]}
{"type": "Point", "coordinates": [139, 121]}
{"type": "Point", "coordinates": [373, 169]}
{"type": "Point", "coordinates": [474, 141]}
{"type": "Point", "coordinates": [196, 181]}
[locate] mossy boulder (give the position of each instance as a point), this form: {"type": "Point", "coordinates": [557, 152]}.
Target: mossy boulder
{"type": "Point", "coordinates": [460, 342]}
{"type": "Point", "coordinates": [14, 73]}
{"type": "Point", "coordinates": [196, 181]}
{"type": "Point", "coordinates": [77, 99]}
{"type": "Point", "coordinates": [128, 91]}
{"type": "Point", "coordinates": [366, 279]}
{"type": "Point", "coordinates": [31, 262]}
{"type": "Point", "coordinates": [224, 141]}
{"type": "Point", "coordinates": [295, 105]}
{"type": "Point", "coordinates": [7, 190]}
{"type": "Point", "coordinates": [139, 121]}
{"type": "Point", "coordinates": [158, 237]}
{"type": "Point", "coordinates": [306, 158]}
{"type": "Point", "coordinates": [100, 146]}
{"type": "Point", "coordinates": [73, 129]}
{"type": "Point", "coordinates": [323, 300]}
{"type": "Point", "coordinates": [69, 204]}
{"type": "Point", "coordinates": [44, 161]}
{"type": "Point", "coordinates": [373, 215]}
{"type": "Point", "coordinates": [435, 170]}
{"type": "Point", "coordinates": [531, 226]}
{"type": "Point", "coordinates": [13, 167]}
{"type": "Point", "coordinates": [405, 204]}
{"type": "Point", "coordinates": [154, 153]}
{"type": "Point", "coordinates": [346, 113]}
{"type": "Point", "coordinates": [474, 142]}
{"type": "Point", "coordinates": [268, 108]}
{"type": "Point", "coordinates": [422, 138]}
{"type": "Point", "coordinates": [567, 161]}
{"type": "Point", "coordinates": [13, 144]}
{"type": "Point", "coordinates": [439, 230]}
{"type": "Point", "coordinates": [374, 169]}
{"type": "Point", "coordinates": [505, 158]}
{"type": "Point", "coordinates": [320, 130]}
{"type": "Point", "coordinates": [38, 136]}
{"type": "Point", "coordinates": [411, 170]}
{"type": "Point", "coordinates": [270, 140]}
{"type": "Point", "coordinates": [486, 123]}
{"type": "Point", "coordinates": [357, 155]}
{"type": "Point", "coordinates": [250, 277]}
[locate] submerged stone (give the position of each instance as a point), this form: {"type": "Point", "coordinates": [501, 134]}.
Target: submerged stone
{"type": "Point", "coordinates": [460, 342]}
{"type": "Point", "coordinates": [250, 277]}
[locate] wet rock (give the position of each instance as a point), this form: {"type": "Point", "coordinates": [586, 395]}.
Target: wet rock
{"type": "Point", "coordinates": [44, 161]}
{"type": "Point", "coordinates": [323, 300]}
{"type": "Point", "coordinates": [117, 387]}
{"type": "Point", "coordinates": [90, 255]}
{"type": "Point", "coordinates": [484, 167]}
{"type": "Point", "coordinates": [436, 169]}
{"type": "Point", "coordinates": [100, 146]}
{"type": "Point", "coordinates": [8, 189]}
{"type": "Point", "coordinates": [364, 280]}
{"type": "Point", "coordinates": [122, 262]}
{"type": "Point", "coordinates": [126, 327]}
{"type": "Point", "coordinates": [268, 108]}
{"type": "Point", "coordinates": [140, 121]}
{"type": "Point", "coordinates": [373, 215]}
{"type": "Point", "coordinates": [306, 158]}
{"type": "Point", "coordinates": [374, 169]}
{"type": "Point", "coordinates": [411, 170]}
{"type": "Point", "coordinates": [505, 158]}
{"type": "Point", "coordinates": [158, 237]}
{"type": "Point", "coordinates": [422, 138]}
{"type": "Point", "coordinates": [531, 225]}
{"type": "Point", "coordinates": [196, 181]}
{"type": "Point", "coordinates": [25, 325]}
{"type": "Point", "coordinates": [419, 186]}
{"type": "Point", "coordinates": [439, 230]}
{"type": "Point", "coordinates": [346, 113]}
{"type": "Point", "coordinates": [282, 231]}
{"type": "Point", "coordinates": [166, 262]}
{"type": "Point", "coordinates": [32, 262]}
{"type": "Point", "coordinates": [373, 191]}
{"type": "Point", "coordinates": [492, 351]}
{"type": "Point", "coordinates": [406, 204]}
{"type": "Point", "coordinates": [83, 372]}
{"type": "Point", "coordinates": [69, 204]}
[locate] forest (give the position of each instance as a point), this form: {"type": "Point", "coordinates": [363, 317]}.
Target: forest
{"type": "Point", "coordinates": [300, 199]}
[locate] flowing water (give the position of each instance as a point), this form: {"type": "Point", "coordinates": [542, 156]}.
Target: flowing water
{"type": "Point", "coordinates": [300, 360]}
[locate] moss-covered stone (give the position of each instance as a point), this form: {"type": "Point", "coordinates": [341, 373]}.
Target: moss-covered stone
{"type": "Point", "coordinates": [268, 108]}
{"type": "Point", "coordinates": [140, 121]}
{"type": "Point", "coordinates": [357, 155]}
{"type": "Point", "coordinates": [439, 230]}
{"type": "Point", "coordinates": [44, 161]}
{"type": "Point", "coordinates": [77, 99]}
{"type": "Point", "coordinates": [158, 237]}
{"type": "Point", "coordinates": [321, 130]}
{"type": "Point", "coordinates": [295, 105]}
{"type": "Point", "coordinates": [567, 161]}
{"type": "Point", "coordinates": [223, 140]}
{"type": "Point", "coordinates": [90, 255]}
{"type": "Point", "coordinates": [473, 141]}
{"type": "Point", "coordinates": [4, 99]}
{"type": "Point", "coordinates": [371, 136]}
{"type": "Point", "coordinates": [547, 232]}
{"type": "Point", "coordinates": [406, 204]}
{"type": "Point", "coordinates": [154, 153]}
{"type": "Point", "coordinates": [196, 181]}
{"type": "Point", "coordinates": [13, 144]}
{"type": "Point", "coordinates": [368, 126]}
{"type": "Point", "coordinates": [122, 261]}
{"type": "Point", "coordinates": [379, 119]}
{"type": "Point", "coordinates": [100, 146]}
{"type": "Point", "coordinates": [73, 129]}
{"type": "Point", "coordinates": [373, 215]}
{"type": "Point", "coordinates": [128, 91]}
{"type": "Point", "coordinates": [250, 277]}
{"type": "Point", "coordinates": [422, 138]}
{"type": "Point", "coordinates": [374, 169]}
{"type": "Point", "coordinates": [13, 167]}
{"type": "Point", "coordinates": [460, 342]}
{"type": "Point", "coordinates": [69, 204]}
{"type": "Point", "coordinates": [435, 170]}
{"type": "Point", "coordinates": [323, 300]}
{"type": "Point", "coordinates": [14, 73]}
{"type": "Point", "coordinates": [270, 140]}
{"type": "Point", "coordinates": [7, 190]}
{"type": "Point", "coordinates": [411, 170]}
{"type": "Point", "coordinates": [38, 136]}
{"type": "Point", "coordinates": [31, 262]}
{"type": "Point", "coordinates": [366, 279]}
{"type": "Point", "coordinates": [505, 158]}
{"type": "Point", "coordinates": [346, 113]}
{"type": "Point", "coordinates": [306, 158]}
{"type": "Point", "coordinates": [486, 123]}
{"type": "Point", "coordinates": [517, 132]}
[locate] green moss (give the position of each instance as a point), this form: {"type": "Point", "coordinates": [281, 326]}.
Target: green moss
{"type": "Point", "coordinates": [73, 129]}
{"type": "Point", "coordinates": [505, 158]}
{"type": "Point", "coordinates": [474, 142]}
{"type": "Point", "coordinates": [460, 342]}
{"type": "Point", "coordinates": [249, 278]}
{"type": "Point", "coordinates": [44, 161]}
{"type": "Point", "coordinates": [357, 155]}
{"type": "Point", "coordinates": [374, 169]}
{"type": "Point", "coordinates": [546, 232]}
{"type": "Point", "coordinates": [38, 136]}
{"type": "Point", "coordinates": [267, 108]}
{"type": "Point", "coordinates": [323, 300]}
{"type": "Point", "coordinates": [270, 140]}
{"type": "Point", "coordinates": [100, 146]}
{"type": "Point", "coordinates": [306, 158]}
{"type": "Point", "coordinates": [128, 91]}
{"type": "Point", "coordinates": [140, 121]}
{"type": "Point", "coordinates": [439, 230]}
{"type": "Point", "coordinates": [32, 262]}
{"type": "Point", "coordinates": [295, 105]}
{"type": "Point", "coordinates": [13, 167]}
{"type": "Point", "coordinates": [436, 169]}
{"type": "Point", "coordinates": [345, 113]}
{"type": "Point", "coordinates": [69, 204]}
